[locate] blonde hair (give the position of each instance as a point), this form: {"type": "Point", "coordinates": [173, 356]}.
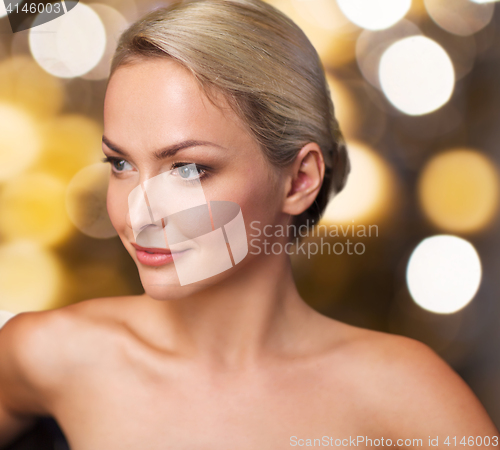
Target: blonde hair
{"type": "Point", "coordinates": [263, 64]}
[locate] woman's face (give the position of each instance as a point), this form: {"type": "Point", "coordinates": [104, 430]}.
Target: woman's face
{"type": "Point", "coordinates": [155, 105]}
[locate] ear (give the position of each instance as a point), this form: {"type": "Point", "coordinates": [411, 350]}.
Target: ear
{"type": "Point", "coordinates": [304, 179]}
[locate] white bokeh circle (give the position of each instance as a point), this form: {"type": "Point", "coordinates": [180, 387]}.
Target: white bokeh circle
{"type": "Point", "coordinates": [443, 273]}
{"type": "Point", "coordinates": [70, 45]}
{"type": "Point", "coordinates": [374, 14]}
{"type": "Point", "coordinates": [416, 75]}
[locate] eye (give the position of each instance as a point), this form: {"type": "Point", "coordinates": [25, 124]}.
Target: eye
{"type": "Point", "coordinates": [188, 171]}
{"type": "Point", "coordinates": [118, 165]}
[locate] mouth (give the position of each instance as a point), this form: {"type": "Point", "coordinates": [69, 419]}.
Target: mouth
{"type": "Point", "coordinates": [150, 256]}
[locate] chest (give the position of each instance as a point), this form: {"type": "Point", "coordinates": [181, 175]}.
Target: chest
{"type": "Point", "coordinates": [133, 408]}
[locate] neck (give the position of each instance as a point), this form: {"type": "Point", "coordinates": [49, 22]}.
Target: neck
{"type": "Point", "coordinates": [255, 312]}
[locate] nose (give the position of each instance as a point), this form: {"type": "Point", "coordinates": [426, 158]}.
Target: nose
{"type": "Point", "coordinates": [139, 214]}
{"type": "Point", "coordinates": [147, 232]}
{"type": "Point", "coordinates": [155, 199]}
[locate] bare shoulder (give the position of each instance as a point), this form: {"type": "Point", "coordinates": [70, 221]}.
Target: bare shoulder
{"type": "Point", "coordinates": [24, 338]}
{"type": "Point", "coordinates": [408, 387]}
{"type": "Point", "coordinates": [38, 349]}
{"type": "Point", "coordinates": [29, 359]}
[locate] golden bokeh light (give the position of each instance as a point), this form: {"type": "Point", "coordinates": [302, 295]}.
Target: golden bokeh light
{"type": "Point", "coordinates": [71, 142]}
{"type": "Point", "coordinates": [461, 17]}
{"type": "Point", "coordinates": [86, 201]}
{"type": "Point", "coordinates": [443, 273]}
{"type": "Point", "coordinates": [459, 190]}
{"type": "Point", "coordinates": [32, 207]}
{"type": "Point", "coordinates": [367, 194]}
{"type": "Point", "coordinates": [26, 84]}
{"type": "Point", "coordinates": [30, 277]}
{"type": "Point", "coordinates": [358, 118]}
{"type": "Point", "coordinates": [323, 13]}
{"type": "Point", "coordinates": [345, 107]}
{"type": "Point", "coordinates": [325, 26]}
{"type": "Point", "coordinates": [20, 141]}
{"type": "Point", "coordinates": [71, 45]}
{"type": "Point", "coordinates": [416, 75]}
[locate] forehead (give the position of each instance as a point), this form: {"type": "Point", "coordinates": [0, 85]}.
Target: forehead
{"type": "Point", "coordinates": [156, 102]}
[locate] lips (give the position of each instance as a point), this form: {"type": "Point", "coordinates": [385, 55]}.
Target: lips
{"type": "Point", "coordinates": [153, 256]}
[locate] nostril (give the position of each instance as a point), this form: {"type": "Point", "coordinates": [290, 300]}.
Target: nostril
{"type": "Point", "coordinates": [158, 224]}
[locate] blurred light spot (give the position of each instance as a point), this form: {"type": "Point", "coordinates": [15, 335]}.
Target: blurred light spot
{"type": "Point", "coordinates": [462, 17]}
{"type": "Point", "coordinates": [32, 207]}
{"type": "Point", "coordinates": [331, 35]}
{"type": "Point", "coordinates": [70, 45]}
{"type": "Point", "coordinates": [443, 273]}
{"type": "Point", "coordinates": [30, 277]}
{"type": "Point", "coordinates": [128, 8]}
{"type": "Point", "coordinates": [459, 190]}
{"type": "Point", "coordinates": [114, 24]}
{"type": "Point", "coordinates": [367, 190]}
{"type": "Point", "coordinates": [344, 106]}
{"type": "Point", "coordinates": [24, 82]}
{"type": "Point", "coordinates": [417, 75]}
{"type": "Point", "coordinates": [20, 141]}
{"type": "Point", "coordinates": [323, 13]}
{"type": "Point", "coordinates": [371, 45]}
{"type": "Point", "coordinates": [3, 11]}
{"type": "Point", "coordinates": [358, 118]}
{"type": "Point", "coordinates": [86, 201]}
{"type": "Point", "coordinates": [71, 142]}
{"type": "Point", "coordinates": [484, 1]}
{"type": "Point", "coordinates": [374, 14]}
{"type": "Point", "coordinates": [5, 315]}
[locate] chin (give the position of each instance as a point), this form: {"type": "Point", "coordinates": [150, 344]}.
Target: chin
{"type": "Point", "coordinates": [163, 283]}
{"type": "Point", "coordinates": [166, 293]}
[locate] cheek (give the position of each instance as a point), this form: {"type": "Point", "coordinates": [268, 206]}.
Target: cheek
{"type": "Point", "coordinates": [262, 191]}
{"type": "Point", "coordinates": [257, 194]}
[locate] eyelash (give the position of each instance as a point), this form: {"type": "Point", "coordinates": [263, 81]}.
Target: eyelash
{"type": "Point", "coordinates": [202, 170]}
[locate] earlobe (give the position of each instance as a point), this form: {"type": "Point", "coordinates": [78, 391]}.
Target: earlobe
{"type": "Point", "coordinates": [305, 179]}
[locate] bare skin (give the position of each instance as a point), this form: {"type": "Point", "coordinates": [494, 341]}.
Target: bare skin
{"type": "Point", "coordinates": [239, 361]}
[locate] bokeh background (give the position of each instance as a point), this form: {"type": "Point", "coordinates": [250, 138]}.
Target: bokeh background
{"type": "Point", "coordinates": [416, 87]}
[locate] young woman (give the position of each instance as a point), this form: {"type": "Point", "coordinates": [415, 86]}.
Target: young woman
{"type": "Point", "coordinates": [234, 360]}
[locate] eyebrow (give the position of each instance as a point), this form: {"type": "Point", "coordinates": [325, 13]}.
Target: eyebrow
{"type": "Point", "coordinates": [166, 152]}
